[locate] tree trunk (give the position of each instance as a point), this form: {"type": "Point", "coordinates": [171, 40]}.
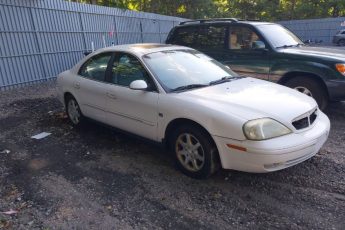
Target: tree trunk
{"type": "Point", "coordinates": [292, 13]}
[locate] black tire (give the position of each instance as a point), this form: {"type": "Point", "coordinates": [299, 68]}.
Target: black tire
{"type": "Point", "coordinates": [207, 148]}
{"type": "Point", "coordinates": [317, 91]}
{"type": "Point", "coordinates": [341, 42]}
{"type": "Point", "coordinates": [70, 101]}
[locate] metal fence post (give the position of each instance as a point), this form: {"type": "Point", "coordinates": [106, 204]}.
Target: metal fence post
{"type": "Point", "coordinates": [83, 30]}
{"type": "Point", "coordinates": [40, 50]}
{"type": "Point", "coordinates": [159, 30]}
{"type": "Point", "coordinates": [141, 32]}
{"type": "Point", "coordinates": [115, 32]}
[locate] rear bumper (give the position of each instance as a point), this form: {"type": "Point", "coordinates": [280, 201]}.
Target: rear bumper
{"type": "Point", "coordinates": [336, 89]}
{"type": "Point", "coordinates": [274, 154]}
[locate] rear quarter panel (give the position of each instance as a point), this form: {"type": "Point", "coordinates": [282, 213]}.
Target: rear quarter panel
{"type": "Point", "coordinates": [65, 82]}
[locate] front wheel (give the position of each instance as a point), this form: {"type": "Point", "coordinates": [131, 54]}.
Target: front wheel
{"type": "Point", "coordinates": [309, 87]}
{"type": "Point", "coordinates": [195, 153]}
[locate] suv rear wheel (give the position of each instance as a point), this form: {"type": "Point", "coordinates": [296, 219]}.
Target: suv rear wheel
{"type": "Point", "coordinates": [310, 87]}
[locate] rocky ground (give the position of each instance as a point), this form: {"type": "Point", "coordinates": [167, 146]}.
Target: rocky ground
{"type": "Point", "coordinates": [97, 178]}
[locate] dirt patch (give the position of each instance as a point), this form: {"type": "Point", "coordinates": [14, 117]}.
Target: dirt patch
{"type": "Point", "coordinates": [96, 178]}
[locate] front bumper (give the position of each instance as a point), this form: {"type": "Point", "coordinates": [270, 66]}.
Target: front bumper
{"type": "Point", "coordinates": [274, 154]}
{"type": "Point", "coordinates": [336, 89]}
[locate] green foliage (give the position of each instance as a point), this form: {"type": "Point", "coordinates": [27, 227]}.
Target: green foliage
{"type": "Point", "coordinates": [269, 10]}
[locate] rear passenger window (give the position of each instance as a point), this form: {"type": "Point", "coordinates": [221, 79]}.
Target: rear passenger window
{"type": "Point", "coordinates": [96, 67]}
{"type": "Point", "coordinates": [184, 36]}
{"type": "Point", "coordinates": [211, 36]}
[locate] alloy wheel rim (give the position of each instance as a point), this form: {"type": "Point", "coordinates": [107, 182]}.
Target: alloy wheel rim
{"type": "Point", "coordinates": [304, 90]}
{"type": "Point", "coordinates": [73, 112]}
{"type": "Point", "coordinates": [190, 152]}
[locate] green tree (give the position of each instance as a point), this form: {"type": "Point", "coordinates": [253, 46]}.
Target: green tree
{"type": "Point", "coordinates": [269, 10]}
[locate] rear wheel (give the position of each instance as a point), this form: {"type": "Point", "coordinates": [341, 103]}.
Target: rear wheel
{"type": "Point", "coordinates": [310, 87]}
{"type": "Point", "coordinates": [73, 111]}
{"type": "Point", "coordinates": [195, 153]}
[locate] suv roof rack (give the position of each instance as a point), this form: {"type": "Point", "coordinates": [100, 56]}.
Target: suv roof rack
{"type": "Point", "coordinates": [210, 20]}
{"type": "Point", "coordinates": [251, 20]}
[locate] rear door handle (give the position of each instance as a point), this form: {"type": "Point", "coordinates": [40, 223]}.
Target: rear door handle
{"type": "Point", "coordinates": [77, 85]}
{"type": "Point", "coordinates": [112, 96]}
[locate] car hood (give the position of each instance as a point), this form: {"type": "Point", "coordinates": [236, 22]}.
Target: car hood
{"type": "Point", "coordinates": [249, 98]}
{"type": "Point", "coordinates": [325, 52]}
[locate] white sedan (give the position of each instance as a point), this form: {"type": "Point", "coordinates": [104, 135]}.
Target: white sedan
{"type": "Point", "coordinates": [206, 114]}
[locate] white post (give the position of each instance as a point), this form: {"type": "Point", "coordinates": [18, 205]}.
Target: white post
{"type": "Point", "coordinates": [92, 46]}
{"type": "Point", "coordinates": [104, 45]}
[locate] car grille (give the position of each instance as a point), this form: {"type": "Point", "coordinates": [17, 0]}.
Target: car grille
{"type": "Point", "coordinates": [306, 121]}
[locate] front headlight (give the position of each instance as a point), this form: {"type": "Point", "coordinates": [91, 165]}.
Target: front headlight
{"type": "Point", "coordinates": [263, 129]}
{"type": "Point", "coordinates": [340, 68]}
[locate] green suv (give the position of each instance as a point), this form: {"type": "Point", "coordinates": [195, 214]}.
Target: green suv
{"type": "Point", "coordinates": [267, 51]}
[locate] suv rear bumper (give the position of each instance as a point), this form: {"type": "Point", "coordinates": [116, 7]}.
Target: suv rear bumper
{"type": "Point", "coordinates": [336, 89]}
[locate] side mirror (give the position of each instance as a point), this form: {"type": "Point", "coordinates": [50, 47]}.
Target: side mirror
{"type": "Point", "coordinates": [138, 85]}
{"type": "Point", "coordinates": [258, 45]}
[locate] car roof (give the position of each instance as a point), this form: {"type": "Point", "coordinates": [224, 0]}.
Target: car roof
{"type": "Point", "coordinates": [141, 48]}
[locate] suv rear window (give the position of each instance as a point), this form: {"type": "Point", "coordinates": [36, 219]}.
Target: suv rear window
{"type": "Point", "coordinates": [211, 36]}
{"type": "Point", "coordinates": [184, 36]}
{"type": "Point", "coordinates": [200, 37]}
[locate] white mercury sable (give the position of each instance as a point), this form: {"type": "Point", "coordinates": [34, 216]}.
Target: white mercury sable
{"type": "Point", "coordinates": [207, 114]}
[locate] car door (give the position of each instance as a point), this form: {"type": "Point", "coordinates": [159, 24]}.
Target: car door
{"type": "Point", "coordinates": [247, 53]}
{"type": "Point", "coordinates": [134, 111]}
{"type": "Point", "coordinates": [90, 86]}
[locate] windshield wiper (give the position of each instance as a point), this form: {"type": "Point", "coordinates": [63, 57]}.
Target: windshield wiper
{"type": "Point", "coordinates": [186, 87]}
{"type": "Point", "coordinates": [223, 80]}
{"type": "Point", "coordinates": [288, 46]}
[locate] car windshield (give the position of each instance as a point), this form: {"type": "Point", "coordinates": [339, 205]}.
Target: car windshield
{"type": "Point", "coordinates": [279, 36]}
{"type": "Point", "coordinates": [186, 69]}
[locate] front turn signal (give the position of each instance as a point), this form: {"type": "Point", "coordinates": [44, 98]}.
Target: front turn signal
{"type": "Point", "coordinates": [237, 147]}
{"type": "Point", "coordinates": [340, 68]}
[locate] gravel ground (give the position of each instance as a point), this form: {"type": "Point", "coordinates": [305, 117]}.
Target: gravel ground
{"type": "Point", "coordinates": [97, 178]}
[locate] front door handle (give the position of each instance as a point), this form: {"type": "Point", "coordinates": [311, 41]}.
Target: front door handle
{"type": "Point", "coordinates": [112, 96]}
{"type": "Point", "coordinates": [77, 85]}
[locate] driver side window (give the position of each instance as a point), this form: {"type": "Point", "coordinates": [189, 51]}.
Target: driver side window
{"type": "Point", "coordinates": [126, 69]}
{"type": "Point", "coordinates": [243, 38]}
